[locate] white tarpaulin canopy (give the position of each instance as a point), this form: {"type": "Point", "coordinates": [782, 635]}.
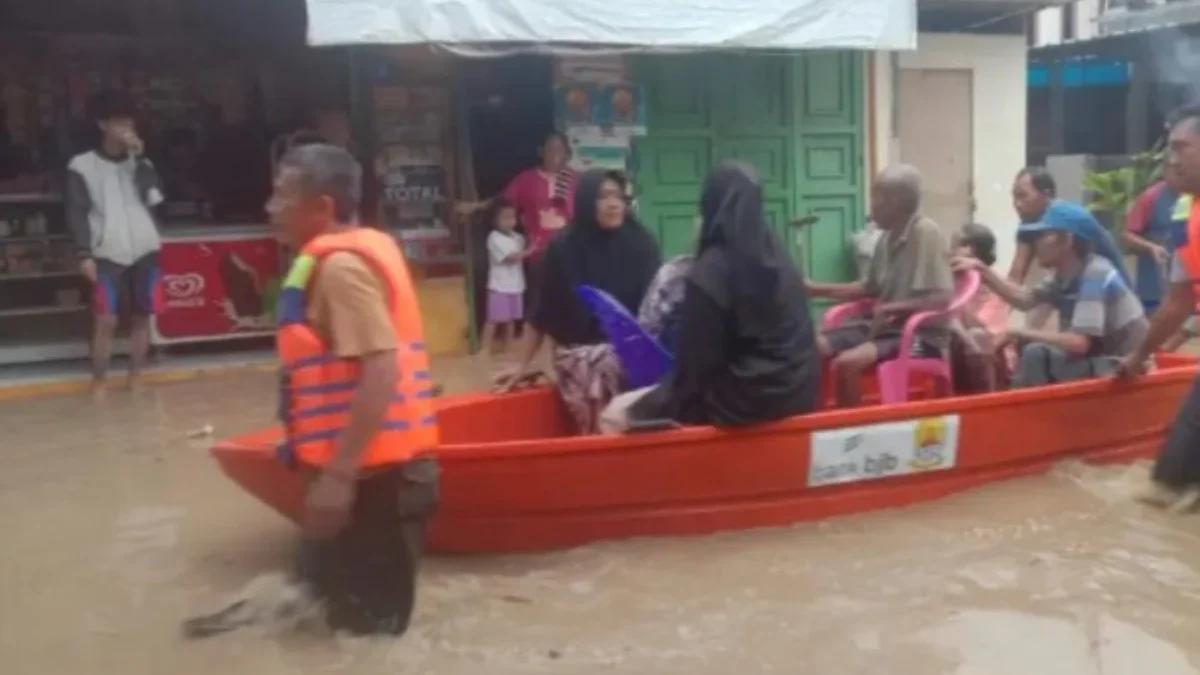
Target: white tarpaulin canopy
{"type": "Point", "coordinates": [665, 25]}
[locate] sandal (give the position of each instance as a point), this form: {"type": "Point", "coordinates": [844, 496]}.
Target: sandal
{"type": "Point", "coordinates": [527, 381]}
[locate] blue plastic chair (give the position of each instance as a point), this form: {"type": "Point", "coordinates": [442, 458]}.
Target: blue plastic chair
{"type": "Point", "coordinates": [644, 361]}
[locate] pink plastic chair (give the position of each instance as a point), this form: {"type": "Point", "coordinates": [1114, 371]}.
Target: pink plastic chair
{"type": "Point", "coordinates": [895, 376]}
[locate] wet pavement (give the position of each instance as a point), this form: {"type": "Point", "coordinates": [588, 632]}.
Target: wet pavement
{"type": "Point", "coordinates": [118, 525]}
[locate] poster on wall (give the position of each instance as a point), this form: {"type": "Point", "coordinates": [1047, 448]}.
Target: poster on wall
{"type": "Point", "coordinates": [575, 104]}
{"type": "Point", "coordinates": [584, 104]}
{"type": "Point", "coordinates": [621, 106]}
{"type": "Point", "coordinates": [598, 92]}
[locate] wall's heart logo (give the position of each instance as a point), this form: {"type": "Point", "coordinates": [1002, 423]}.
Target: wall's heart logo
{"type": "Point", "coordinates": [183, 285]}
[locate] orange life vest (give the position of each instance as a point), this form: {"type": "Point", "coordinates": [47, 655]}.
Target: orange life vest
{"type": "Point", "coordinates": [1187, 247]}
{"type": "Point", "coordinates": [317, 387]}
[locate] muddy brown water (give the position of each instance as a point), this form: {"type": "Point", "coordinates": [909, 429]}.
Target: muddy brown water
{"type": "Point", "coordinates": [117, 526]}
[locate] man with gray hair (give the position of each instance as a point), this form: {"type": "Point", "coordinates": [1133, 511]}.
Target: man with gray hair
{"type": "Point", "coordinates": [357, 406]}
{"type": "Point", "coordinates": [909, 273]}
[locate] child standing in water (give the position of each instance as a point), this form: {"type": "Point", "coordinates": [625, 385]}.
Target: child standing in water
{"type": "Point", "coordinates": [506, 274]}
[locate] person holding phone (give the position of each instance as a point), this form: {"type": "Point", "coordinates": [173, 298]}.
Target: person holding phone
{"type": "Point", "coordinates": [110, 196]}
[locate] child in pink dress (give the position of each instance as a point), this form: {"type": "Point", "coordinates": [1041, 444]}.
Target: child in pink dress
{"type": "Point", "coordinates": [986, 316]}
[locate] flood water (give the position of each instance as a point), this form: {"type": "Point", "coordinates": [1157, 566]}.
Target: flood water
{"type": "Point", "coordinates": [117, 526]}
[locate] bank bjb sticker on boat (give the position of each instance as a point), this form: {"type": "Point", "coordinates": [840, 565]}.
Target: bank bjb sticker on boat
{"type": "Point", "coordinates": [875, 451]}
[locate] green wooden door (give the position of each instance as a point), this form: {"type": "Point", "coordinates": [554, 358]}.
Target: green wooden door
{"type": "Point", "coordinates": [797, 119]}
{"type": "Point", "coordinates": [754, 124]}
{"type": "Point", "coordinates": [677, 153]}
{"type": "Point", "coordinates": [828, 110]}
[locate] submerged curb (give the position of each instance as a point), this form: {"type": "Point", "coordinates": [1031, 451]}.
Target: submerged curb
{"type": "Point", "coordinates": [16, 391]}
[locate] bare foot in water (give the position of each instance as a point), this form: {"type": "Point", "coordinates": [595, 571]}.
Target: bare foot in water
{"type": "Point", "coordinates": [1187, 501]}
{"type": "Point", "coordinates": [1172, 500]}
{"type": "Point", "coordinates": [267, 599]}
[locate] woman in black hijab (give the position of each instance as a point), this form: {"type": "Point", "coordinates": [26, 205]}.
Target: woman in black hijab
{"type": "Point", "coordinates": [747, 352]}
{"type": "Point", "coordinates": [604, 247]}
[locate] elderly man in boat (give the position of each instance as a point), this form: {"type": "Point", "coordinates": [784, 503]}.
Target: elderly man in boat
{"type": "Point", "coordinates": [1176, 474]}
{"type": "Point", "coordinates": [908, 273]}
{"type": "Point", "coordinates": [1100, 317]}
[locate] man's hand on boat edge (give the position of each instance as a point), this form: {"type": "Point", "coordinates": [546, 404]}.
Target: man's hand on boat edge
{"type": "Point", "coordinates": [1131, 367]}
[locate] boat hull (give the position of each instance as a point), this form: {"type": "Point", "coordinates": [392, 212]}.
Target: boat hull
{"type": "Point", "coordinates": [515, 480]}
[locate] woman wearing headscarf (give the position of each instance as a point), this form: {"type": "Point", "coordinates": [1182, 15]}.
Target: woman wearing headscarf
{"type": "Point", "coordinates": [604, 247]}
{"type": "Point", "coordinates": [747, 351]}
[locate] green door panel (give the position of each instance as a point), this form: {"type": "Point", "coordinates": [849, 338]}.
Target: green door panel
{"type": "Point", "coordinates": [771, 156]}
{"type": "Point", "coordinates": [677, 93]}
{"type": "Point", "coordinates": [752, 93]}
{"type": "Point", "coordinates": [828, 102]}
{"type": "Point", "coordinates": [797, 119]}
{"type": "Point", "coordinates": [670, 172]}
{"type": "Point", "coordinates": [675, 227]}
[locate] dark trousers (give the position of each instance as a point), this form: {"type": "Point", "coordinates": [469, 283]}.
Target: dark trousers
{"type": "Point", "coordinates": [1178, 463]}
{"type": "Point", "coordinates": [367, 574]}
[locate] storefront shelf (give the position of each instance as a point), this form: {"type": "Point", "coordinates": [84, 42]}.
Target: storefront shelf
{"type": "Point", "coordinates": [26, 240]}
{"type": "Point", "coordinates": [33, 311]}
{"type": "Point", "coordinates": [30, 199]}
{"type": "Point", "coordinates": [37, 275]}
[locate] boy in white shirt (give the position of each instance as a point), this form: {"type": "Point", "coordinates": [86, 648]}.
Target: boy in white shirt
{"type": "Point", "coordinates": [506, 273]}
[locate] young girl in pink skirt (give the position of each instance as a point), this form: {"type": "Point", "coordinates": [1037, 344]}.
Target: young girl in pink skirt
{"type": "Point", "coordinates": [506, 273]}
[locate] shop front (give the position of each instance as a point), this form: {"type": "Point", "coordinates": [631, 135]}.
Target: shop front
{"type": "Point", "coordinates": [441, 112]}
{"type": "Point", "coordinates": [783, 89]}
{"type": "Point", "coordinates": [216, 101]}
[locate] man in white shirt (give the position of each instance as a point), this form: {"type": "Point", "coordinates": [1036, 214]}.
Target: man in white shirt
{"type": "Point", "coordinates": [110, 193]}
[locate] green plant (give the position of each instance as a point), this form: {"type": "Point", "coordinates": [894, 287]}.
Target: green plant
{"type": "Point", "coordinates": [1111, 193]}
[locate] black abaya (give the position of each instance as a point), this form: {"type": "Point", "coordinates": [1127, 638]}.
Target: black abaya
{"type": "Point", "coordinates": [748, 351]}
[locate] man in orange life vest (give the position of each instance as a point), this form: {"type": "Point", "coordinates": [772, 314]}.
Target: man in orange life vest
{"type": "Point", "coordinates": [1176, 475]}
{"type": "Point", "coordinates": [357, 402]}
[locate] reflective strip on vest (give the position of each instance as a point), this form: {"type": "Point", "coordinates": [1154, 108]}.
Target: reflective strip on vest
{"type": "Point", "coordinates": [322, 389]}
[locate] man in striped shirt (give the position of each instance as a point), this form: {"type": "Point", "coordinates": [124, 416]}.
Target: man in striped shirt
{"type": "Point", "coordinates": [1100, 318]}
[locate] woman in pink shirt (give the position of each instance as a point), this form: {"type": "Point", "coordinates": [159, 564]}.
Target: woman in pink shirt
{"type": "Point", "coordinates": [544, 195]}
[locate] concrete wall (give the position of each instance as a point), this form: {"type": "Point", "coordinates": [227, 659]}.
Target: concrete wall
{"type": "Point", "coordinates": [998, 118]}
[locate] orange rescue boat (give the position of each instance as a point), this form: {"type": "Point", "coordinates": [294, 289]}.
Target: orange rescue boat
{"type": "Point", "coordinates": [515, 478]}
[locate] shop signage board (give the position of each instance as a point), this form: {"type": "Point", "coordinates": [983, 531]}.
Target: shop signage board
{"type": "Point", "coordinates": [413, 185]}
{"type": "Point", "coordinates": [874, 451]}
{"type": "Point", "coordinates": [410, 122]}
{"type": "Point", "coordinates": [217, 288]}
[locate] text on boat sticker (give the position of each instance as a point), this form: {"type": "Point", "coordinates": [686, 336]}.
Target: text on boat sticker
{"type": "Point", "coordinates": [873, 451]}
